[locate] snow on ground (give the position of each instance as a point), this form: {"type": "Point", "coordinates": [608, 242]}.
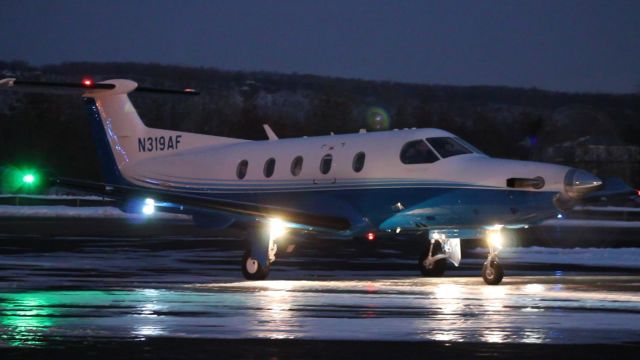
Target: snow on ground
{"type": "Point", "coordinates": [620, 257]}
{"type": "Point", "coordinates": [592, 223]}
{"type": "Point", "coordinates": [56, 197]}
{"type": "Point", "coordinates": [78, 212]}
{"type": "Point", "coordinates": [606, 208]}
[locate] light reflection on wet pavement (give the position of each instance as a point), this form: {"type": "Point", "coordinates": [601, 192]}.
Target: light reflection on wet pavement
{"type": "Point", "coordinates": [118, 291]}
{"type": "Point", "coordinates": [525, 309]}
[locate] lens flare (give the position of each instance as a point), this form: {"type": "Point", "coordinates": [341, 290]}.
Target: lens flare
{"type": "Point", "coordinates": [377, 118]}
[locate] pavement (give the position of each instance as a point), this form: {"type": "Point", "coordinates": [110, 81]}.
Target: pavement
{"type": "Point", "coordinates": [99, 290]}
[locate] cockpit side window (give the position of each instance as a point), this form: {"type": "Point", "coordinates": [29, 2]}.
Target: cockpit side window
{"type": "Point", "coordinates": [469, 146]}
{"type": "Point", "coordinates": [447, 147]}
{"type": "Point", "coordinates": [417, 152]}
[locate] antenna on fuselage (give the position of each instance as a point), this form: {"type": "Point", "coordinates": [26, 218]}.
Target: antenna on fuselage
{"type": "Point", "coordinates": [270, 134]}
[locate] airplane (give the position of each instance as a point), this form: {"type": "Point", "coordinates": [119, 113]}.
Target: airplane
{"type": "Point", "coordinates": [426, 182]}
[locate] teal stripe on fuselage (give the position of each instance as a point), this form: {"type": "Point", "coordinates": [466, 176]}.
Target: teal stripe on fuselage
{"type": "Point", "coordinates": [303, 185]}
{"type": "Point", "coordinates": [369, 208]}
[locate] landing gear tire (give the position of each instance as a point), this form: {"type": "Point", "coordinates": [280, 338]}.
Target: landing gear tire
{"type": "Point", "coordinates": [251, 268]}
{"type": "Point", "coordinates": [492, 272]}
{"type": "Point", "coordinates": [437, 267]}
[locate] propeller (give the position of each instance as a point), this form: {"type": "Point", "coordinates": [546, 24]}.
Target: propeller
{"type": "Point", "coordinates": [582, 190]}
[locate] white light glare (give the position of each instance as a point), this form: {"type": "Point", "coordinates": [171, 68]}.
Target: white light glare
{"type": "Point", "coordinates": [149, 206]}
{"type": "Point", "coordinates": [277, 228]}
{"type": "Point", "coordinates": [494, 236]}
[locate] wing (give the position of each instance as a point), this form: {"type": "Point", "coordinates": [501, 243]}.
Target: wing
{"type": "Point", "coordinates": [245, 210]}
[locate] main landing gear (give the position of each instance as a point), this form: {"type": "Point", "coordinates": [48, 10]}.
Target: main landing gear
{"type": "Point", "coordinates": [444, 246]}
{"type": "Point", "coordinates": [261, 251]}
{"type": "Point", "coordinates": [492, 271]}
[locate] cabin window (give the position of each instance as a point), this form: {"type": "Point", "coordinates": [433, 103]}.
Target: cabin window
{"type": "Point", "coordinates": [325, 164]}
{"type": "Point", "coordinates": [358, 162]}
{"type": "Point", "coordinates": [447, 147]}
{"type": "Point", "coordinates": [241, 170]}
{"type": "Point", "coordinates": [269, 167]}
{"type": "Point", "coordinates": [296, 166]}
{"type": "Point", "coordinates": [417, 152]}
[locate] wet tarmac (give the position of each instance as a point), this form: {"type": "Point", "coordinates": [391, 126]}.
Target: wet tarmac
{"type": "Point", "coordinates": [183, 296]}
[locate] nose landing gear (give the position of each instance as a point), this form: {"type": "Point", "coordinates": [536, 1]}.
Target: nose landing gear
{"type": "Point", "coordinates": [252, 269]}
{"type": "Point", "coordinates": [257, 259]}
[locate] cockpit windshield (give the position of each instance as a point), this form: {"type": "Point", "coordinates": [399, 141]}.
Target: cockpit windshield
{"type": "Point", "coordinates": [447, 147]}
{"type": "Point", "coordinates": [417, 152]}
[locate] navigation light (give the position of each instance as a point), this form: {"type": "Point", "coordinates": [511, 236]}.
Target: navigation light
{"type": "Point", "coordinates": [149, 206]}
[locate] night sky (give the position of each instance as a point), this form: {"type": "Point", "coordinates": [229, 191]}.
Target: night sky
{"type": "Point", "coordinates": [558, 45]}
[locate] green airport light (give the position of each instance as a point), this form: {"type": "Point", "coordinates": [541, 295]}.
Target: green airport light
{"type": "Point", "coordinates": [15, 180]}
{"type": "Point", "coordinates": [28, 179]}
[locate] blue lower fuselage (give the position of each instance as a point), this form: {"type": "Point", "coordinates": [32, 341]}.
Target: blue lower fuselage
{"type": "Point", "coordinates": [411, 208]}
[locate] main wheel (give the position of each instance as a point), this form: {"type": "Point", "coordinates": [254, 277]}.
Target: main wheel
{"type": "Point", "coordinates": [251, 268]}
{"type": "Point", "coordinates": [437, 267]}
{"type": "Point", "coordinates": [492, 272]}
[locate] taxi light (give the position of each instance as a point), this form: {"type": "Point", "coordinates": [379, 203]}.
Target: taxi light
{"type": "Point", "coordinates": [494, 236]}
{"type": "Point", "coordinates": [277, 228]}
{"type": "Point", "coordinates": [371, 236]}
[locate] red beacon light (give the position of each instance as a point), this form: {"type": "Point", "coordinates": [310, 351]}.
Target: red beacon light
{"type": "Point", "coordinates": [371, 236]}
{"type": "Point", "coordinates": [86, 82]}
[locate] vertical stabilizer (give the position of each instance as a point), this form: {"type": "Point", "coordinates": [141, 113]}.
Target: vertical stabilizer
{"type": "Point", "coordinates": [126, 136]}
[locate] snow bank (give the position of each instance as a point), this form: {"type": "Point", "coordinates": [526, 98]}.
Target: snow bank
{"type": "Point", "coordinates": [620, 257]}
{"type": "Point", "coordinates": [78, 212]}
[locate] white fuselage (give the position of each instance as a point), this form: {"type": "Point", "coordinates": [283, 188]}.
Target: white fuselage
{"type": "Point", "coordinates": [214, 168]}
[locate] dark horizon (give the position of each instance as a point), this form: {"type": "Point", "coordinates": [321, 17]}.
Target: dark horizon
{"type": "Point", "coordinates": [339, 78]}
{"type": "Point", "coordinates": [575, 46]}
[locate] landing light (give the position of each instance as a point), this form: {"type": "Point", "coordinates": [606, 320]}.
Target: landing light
{"type": "Point", "coordinates": [149, 206]}
{"type": "Point", "coordinates": [494, 236]}
{"type": "Point", "coordinates": [277, 228]}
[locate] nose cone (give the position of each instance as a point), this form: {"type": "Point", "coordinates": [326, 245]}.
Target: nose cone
{"type": "Point", "coordinates": [578, 183]}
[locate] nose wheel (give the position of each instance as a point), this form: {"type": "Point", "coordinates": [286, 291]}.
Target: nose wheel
{"type": "Point", "coordinates": [492, 272]}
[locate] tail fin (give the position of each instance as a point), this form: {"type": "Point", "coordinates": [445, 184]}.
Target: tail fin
{"type": "Point", "coordinates": [129, 139]}
{"type": "Point", "coordinates": [121, 137]}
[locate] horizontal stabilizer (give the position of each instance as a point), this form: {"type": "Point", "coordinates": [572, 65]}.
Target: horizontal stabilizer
{"type": "Point", "coordinates": [80, 87]}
